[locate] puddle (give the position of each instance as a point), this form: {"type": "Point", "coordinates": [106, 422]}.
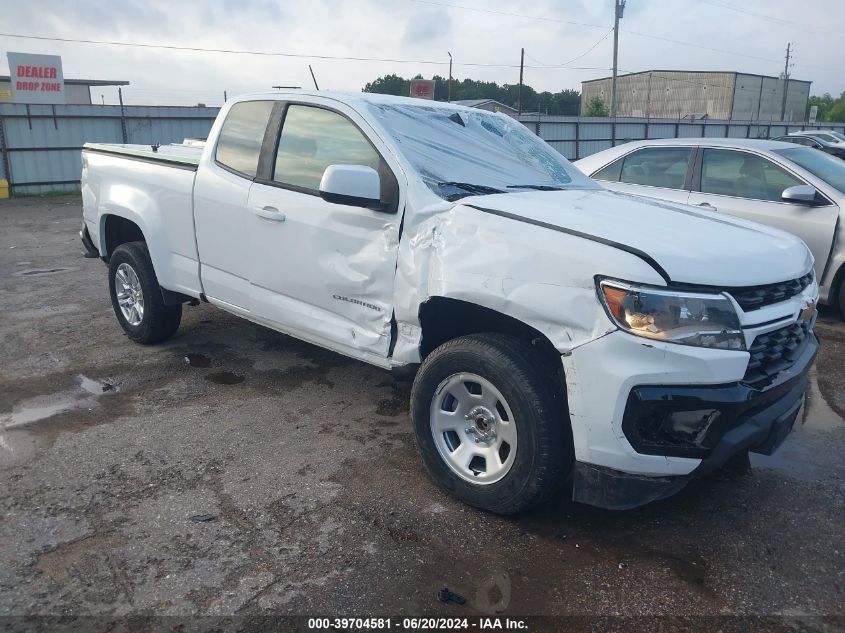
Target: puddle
{"type": "Point", "coordinates": [94, 387]}
{"type": "Point", "coordinates": [198, 360]}
{"type": "Point", "coordinates": [805, 453]}
{"type": "Point", "coordinates": [224, 378]}
{"type": "Point", "coordinates": [43, 407]}
{"type": "Point", "coordinates": [41, 271]}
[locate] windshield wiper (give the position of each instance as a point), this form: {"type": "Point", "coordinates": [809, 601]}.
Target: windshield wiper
{"type": "Point", "coordinates": [470, 187]}
{"type": "Point", "coordinates": [537, 187]}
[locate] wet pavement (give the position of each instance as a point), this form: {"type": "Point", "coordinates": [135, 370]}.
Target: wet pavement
{"type": "Point", "coordinates": [234, 470]}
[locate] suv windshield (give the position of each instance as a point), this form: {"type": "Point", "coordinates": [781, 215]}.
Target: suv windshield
{"type": "Point", "coordinates": [821, 165]}
{"type": "Point", "coordinates": [460, 152]}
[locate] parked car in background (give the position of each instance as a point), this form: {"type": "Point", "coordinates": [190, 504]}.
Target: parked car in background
{"type": "Point", "coordinates": [797, 189]}
{"type": "Point", "coordinates": [827, 141]}
{"type": "Point", "coordinates": [553, 328]}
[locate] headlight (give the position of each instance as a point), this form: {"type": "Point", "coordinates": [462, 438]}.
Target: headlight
{"type": "Point", "coordinates": [688, 318]}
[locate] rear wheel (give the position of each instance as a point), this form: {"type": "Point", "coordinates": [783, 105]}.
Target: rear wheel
{"type": "Point", "coordinates": [488, 424]}
{"type": "Point", "coordinates": [136, 296]}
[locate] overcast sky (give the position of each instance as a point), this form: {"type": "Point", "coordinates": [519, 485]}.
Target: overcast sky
{"type": "Point", "coordinates": [709, 35]}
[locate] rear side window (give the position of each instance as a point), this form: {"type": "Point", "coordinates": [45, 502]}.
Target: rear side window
{"type": "Point", "coordinates": [744, 175]}
{"type": "Point", "coordinates": [241, 136]}
{"type": "Point", "coordinates": [657, 167]}
{"type": "Point", "coordinates": [314, 138]}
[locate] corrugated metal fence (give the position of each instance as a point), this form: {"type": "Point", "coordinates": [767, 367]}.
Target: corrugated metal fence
{"type": "Point", "coordinates": [41, 144]}
{"type": "Point", "coordinates": [577, 137]}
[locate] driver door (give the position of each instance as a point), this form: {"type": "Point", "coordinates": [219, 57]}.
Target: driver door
{"type": "Point", "coordinates": [749, 186]}
{"type": "Point", "coordinates": [319, 270]}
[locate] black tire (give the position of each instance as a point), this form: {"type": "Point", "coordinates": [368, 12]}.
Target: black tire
{"type": "Point", "coordinates": [159, 321]}
{"type": "Point", "coordinates": [544, 454]}
{"type": "Point", "coordinates": [841, 301]}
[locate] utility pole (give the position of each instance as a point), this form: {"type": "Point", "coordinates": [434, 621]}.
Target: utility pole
{"type": "Point", "coordinates": [449, 90]}
{"type": "Point", "coordinates": [619, 9]}
{"type": "Point", "coordinates": [785, 81]}
{"type": "Point", "coordinates": [519, 90]}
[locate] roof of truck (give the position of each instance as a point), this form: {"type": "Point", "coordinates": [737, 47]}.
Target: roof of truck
{"type": "Point", "coordinates": [352, 98]}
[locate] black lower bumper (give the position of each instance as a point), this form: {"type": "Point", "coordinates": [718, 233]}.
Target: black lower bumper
{"type": "Point", "coordinates": [90, 250]}
{"type": "Point", "coordinates": [724, 421]}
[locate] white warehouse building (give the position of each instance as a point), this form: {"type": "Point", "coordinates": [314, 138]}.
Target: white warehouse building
{"type": "Point", "coordinates": [677, 94]}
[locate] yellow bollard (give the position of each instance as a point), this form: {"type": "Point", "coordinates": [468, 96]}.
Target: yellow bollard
{"type": "Point", "coordinates": [4, 188]}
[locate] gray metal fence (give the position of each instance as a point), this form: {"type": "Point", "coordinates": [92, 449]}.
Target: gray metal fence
{"type": "Point", "coordinates": [578, 137]}
{"type": "Point", "coordinates": [41, 144]}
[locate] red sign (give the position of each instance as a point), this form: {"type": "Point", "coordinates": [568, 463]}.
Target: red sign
{"type": "Point", "coordinates": [422, 88]}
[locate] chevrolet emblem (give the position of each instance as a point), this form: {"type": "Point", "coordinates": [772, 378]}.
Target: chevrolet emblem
{"type": "Point", "coordinates": [808, 312]}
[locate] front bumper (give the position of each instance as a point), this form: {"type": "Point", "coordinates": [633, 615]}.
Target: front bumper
{"type": "Point", "coordinates": [711, 423]}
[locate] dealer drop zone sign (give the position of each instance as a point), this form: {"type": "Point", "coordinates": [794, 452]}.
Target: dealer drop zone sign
{"type": "Point", "coordinates": [36, 78]}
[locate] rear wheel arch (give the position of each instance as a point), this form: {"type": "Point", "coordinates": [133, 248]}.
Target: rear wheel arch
{"type": "Point", "coordinates": [116, 230]}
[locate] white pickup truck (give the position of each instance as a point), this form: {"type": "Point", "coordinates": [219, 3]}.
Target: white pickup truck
{"type": "Point", "coordinates": [555, 328]}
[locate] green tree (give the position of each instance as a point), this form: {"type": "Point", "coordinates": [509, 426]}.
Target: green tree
{"type": "Point", "coordinates": [837, 111]}
{"type": "Point", "coordinates": [596, 107]}
{"type": "Point", "coordinates": [390, 85]}
{"type": "Point", "coordinates": [830, 109]}
{"type": "Point", "coordinates": [565, 102]}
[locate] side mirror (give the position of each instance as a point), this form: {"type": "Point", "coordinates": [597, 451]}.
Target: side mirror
{"type": "Point", "coordinates": [355, 185]}
{"type": "Point", "coordinates": [799, 194]}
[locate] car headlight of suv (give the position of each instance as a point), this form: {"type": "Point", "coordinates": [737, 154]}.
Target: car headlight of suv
{"type": "Point", "coordinates": [687, 318]}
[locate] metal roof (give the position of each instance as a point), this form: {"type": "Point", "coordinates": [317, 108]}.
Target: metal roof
{"type": "Point", "coordinates": [697, 72]}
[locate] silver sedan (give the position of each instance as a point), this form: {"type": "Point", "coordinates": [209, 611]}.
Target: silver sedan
{"type": "Point", "coordinates": [798, 189]}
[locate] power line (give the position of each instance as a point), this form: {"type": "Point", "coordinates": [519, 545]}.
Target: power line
{"type": "Point", "coordinates": [706, 48]}
{"type": "Point", "coordinates": [228, 51]}
{"type": "Point", "coordinates": [574, 59]}
{"type": "Point", "coordinates": [637, 33]}
{"type": "Point", "coordinates": [589, 50]}
{"type": "Point", "coordinates": [763, 16]}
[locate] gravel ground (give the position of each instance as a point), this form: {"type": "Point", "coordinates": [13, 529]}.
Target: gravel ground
{"type": "Point", "coordinates": [234, 470]}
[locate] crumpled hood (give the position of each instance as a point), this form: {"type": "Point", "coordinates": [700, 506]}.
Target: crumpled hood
{"type": "Point", "coordinates": [690, 245]}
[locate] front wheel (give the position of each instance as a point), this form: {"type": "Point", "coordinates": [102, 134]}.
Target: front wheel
{"type": "Point", "coordinates": [136, 296]}
{"type": "Point", "coordinates": [489, 423]}
{"type": "Point", "coordinates": [841, 294]}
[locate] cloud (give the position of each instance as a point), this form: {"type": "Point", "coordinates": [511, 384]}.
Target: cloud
{"type": "Point", "coordinates": [404, 29]}
{"type": "Point", "coordinates": [428, 28]}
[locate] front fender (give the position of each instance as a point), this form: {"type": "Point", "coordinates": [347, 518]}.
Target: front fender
{"type": "Point", "coordinates": [542, 278]}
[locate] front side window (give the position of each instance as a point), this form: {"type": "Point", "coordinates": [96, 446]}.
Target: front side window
{"type": "Point", "coordinates": [611, 172]}
{"type": "Point", "coordinates": [823, 166]}
{"type": "Point", "coordinates": [314, 138]}
{"type": "Point", "coordinates": [826, 137]}
{"type": "Point", "coordinates": [744, 175]}
{"type": "Point", "coordinates": [239, 143]}
{"type": "Point", "coordinates": [657, 167]}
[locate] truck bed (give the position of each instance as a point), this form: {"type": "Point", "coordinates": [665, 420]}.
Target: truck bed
{"type": "Point", "coordinates": [182, 155]}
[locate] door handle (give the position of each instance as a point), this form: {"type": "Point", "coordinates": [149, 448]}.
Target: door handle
{"type": "Point", "coordinates": [706, 204]}
{"type": "Point", "coordinates": [270, 213]}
